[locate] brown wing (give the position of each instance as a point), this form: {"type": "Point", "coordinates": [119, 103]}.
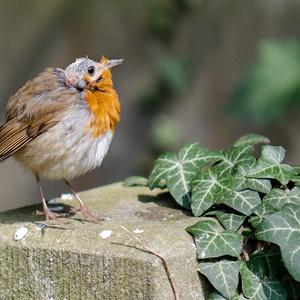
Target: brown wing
{"type": "Point", "coordinates": [36, 107]}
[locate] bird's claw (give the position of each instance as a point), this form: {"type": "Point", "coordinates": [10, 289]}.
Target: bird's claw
{"type": "Point", "coordinates": [49, 215]}
{"type": "Point", "coordinates": [88, 214]}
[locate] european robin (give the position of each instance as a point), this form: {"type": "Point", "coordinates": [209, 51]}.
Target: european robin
{"type": "Point", "coordinates": [60, 124]}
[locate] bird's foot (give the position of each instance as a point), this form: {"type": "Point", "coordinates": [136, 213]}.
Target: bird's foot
{"type": "Point", "coordinates": [49, 215]}
{"type": "Point", "coordinates": [88, 214]}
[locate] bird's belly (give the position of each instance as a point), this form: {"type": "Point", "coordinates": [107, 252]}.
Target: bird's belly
{"type": "Point", "coordinates": [66, 150]}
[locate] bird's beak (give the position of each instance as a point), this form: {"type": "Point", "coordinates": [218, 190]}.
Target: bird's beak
{"type": "Point", "coordinates": [109, 63]}
{"type": "Point", "coordinates": [113, 62]}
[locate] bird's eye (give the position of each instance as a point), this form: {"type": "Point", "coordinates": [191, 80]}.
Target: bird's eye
{"type": "Point", "coordinates": [91, 70]}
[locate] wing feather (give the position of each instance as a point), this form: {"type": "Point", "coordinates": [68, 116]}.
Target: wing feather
{"type": "Point", "coordinates": [35, 108]}
{"type": "Point", "coordinates": [17, 139]}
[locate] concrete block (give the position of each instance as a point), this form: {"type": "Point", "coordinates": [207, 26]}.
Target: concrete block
{"type": "Point", "coordinates": [70, 259]}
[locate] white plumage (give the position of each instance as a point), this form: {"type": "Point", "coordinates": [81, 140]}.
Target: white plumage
{"type": "Point", "coordinates": [70, 152]}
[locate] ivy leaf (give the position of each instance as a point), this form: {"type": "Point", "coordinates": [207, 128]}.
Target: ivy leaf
{"type": "Point", "coordinates": [162, 167]}
{"type": "Point", "coordinates": [297, 169]}
{"type": "Point", "coordinates": [277, 198]}
{"type": "Point", "coordinates": [296, 179]}
{"type": "Point", "coordinates": [257, 184]}
{"type": "Point", "coordinates": [283, 228]}
{"type": "Point", "coordinates": [223, 275]}
{"type": "Point", "coordinates": [265, 263]}
{"type": "Point", "coordinates": [257, 289]}
{"type": "Point", "coordinates": [213, 241]}
{"type": "Point", "coordinates": [136, 181]}
{"type": "Point", "coordinates": [242, 201]}
{"type": "Point", "coordinates": [269, 165]}
{"type": "Point", "coordinates": [229, 220]}
{"type": "Point", "coordinates": [209, 188]}
{"type": "Point", "coordinates": [179, 170]}
{"type": "Point", "coordinates": [252, 139]}
{"type": "Point", "coordinates": [260, 212]}
{"type": "Point", "coordinates": [234, 156]}
{"type": "Point", "coordinates": [204, 192]}
{"type": "Point", "coordinates": [260, 185]}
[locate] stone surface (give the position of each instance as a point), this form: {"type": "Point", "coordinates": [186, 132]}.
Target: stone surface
{"type": "Point", "coordinates": [70, 260]}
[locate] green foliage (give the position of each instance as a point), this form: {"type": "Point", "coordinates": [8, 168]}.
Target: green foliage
{"type": "Point", "coordinates": [248, 232]}
{"type": "Point", "coordinates": [272, 86]}
{"type": "Point", "coordinates": [251, 139]}
{"type": "Point", "coordinates": [269, 165]}
{"type": "Point", "coordinates": [283, 228]}
{"type": "Point", "coordinates": [223, 275]}
{"type": "Point", "coordinates": [179, 170]}
{"type": "Point", "coordinates": [213, 241]}
{"type": "Point", "coordinates": [257, 288]}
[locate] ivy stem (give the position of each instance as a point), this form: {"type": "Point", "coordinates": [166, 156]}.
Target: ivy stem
{"type": "Point", "coordinates": [164, 263]}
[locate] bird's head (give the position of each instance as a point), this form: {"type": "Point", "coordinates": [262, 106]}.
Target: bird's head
{"type": "Point", "coordinates": [95, 80]}
{"type": "Point", "coordinates": [87, 74]}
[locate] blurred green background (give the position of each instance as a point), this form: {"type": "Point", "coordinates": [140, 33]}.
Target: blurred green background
{"type": "Point", "coordinates": [194, 70]}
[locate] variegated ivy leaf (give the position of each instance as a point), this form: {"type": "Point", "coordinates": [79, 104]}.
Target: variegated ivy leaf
{"type": "Point", "coordinates": [257, 184]}
{"type": "Point", "coordinates": [234, 157]}
{"type": "Point", "coordinates": [213, 241]}
{"type": "Point", "coordinates": [252, 139]}
{"type": "Point", "coordinates": [223, 275]}
{"type": "Point", "coordinates": [269, 165]}
{"type": "Point", "coordinates": [229, 220]}
{"type": "Point", "coordinates": [205, 191]}
{"type": "Point", "coordinates": [265, 263]}
{"type": "Point", "coordinates": [260, 212]}
{"type": "Point", "coordinates": [257, 289]}
{"type": "Point", "coordinates": [242, 201]}
{"type": "Point", "coordinates": [210, 188]}
{"type": "Point", "coordinates": [283, 228]}
{"type": "Point", "coordinates": [179, 170]}
{"type": "Point", "coordinates": [277, 198]}
{"type": "Point", "coordinates": [296, 177]}
{"type": "Point", "coordinates": [260, 185]}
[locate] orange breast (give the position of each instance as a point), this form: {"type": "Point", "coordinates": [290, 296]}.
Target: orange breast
{"type": "Point", "coordinates": [105, 106]}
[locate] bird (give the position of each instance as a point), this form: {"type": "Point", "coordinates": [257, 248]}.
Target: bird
{"type": "Point", "coordinates": [60, 124]}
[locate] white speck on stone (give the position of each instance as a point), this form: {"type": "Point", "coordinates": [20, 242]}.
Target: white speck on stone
{"type": "Point", "coordinates": [20, 233]}
{"type": "Point", "coordinates": [105, 234]}
{"type": "Point", "coordinates": [202, 254]}
{"type": "Point", "coordinates": [66, 197]}
{"type": "Point", "coordinates": [138, 230]}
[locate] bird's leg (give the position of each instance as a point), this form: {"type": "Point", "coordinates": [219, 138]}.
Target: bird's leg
{"type": "Point", "coordinates": [83, 208]}
{"type": "Point", "coordinates": [46, 211]}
